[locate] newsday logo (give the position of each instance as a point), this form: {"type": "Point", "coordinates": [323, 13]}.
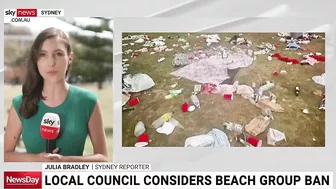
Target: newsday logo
{"type": "Point", "coordinates": [23, 180]}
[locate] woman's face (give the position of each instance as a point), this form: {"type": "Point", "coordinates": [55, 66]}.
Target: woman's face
{"type": "Point", "coordinates": [53, 60]}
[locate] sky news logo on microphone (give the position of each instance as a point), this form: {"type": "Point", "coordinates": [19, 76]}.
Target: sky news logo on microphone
{"type": "Point", "coordinates": [50, 126]}
{"type": "Point", "coordinates": [22, 179]}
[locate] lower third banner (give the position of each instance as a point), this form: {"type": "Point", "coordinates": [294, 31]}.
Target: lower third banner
{"type": "Point", "coordinates": [239, 180]}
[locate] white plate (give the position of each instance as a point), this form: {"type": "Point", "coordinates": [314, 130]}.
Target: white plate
{"type": "Point", "coordinates": [191, 108]}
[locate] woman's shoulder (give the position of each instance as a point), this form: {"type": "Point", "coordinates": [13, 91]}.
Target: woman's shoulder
{"type": "Point", "coordinates": [17, 99]}
{"type": "Point", "coordinates": [84, 94]}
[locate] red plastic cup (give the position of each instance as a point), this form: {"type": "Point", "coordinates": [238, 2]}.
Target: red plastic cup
{"type": "Point", "coordinates": [228, 96]}
{"type": "Point", "coordinates": [254, 141]}
{"type": "Point", "coordinates": [142, 140]}
{"type": "Point", "coordinates": [185, 107]}
{"type": "Point", "coordinates": [275, 73]}
{"type": "Point", "coordinates": [134, 101]}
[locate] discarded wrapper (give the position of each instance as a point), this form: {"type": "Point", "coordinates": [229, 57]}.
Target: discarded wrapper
{"type": "Point", "coordinates": [161, 59]}
{"type": "Point", "coordinates": [274, 136]}
{"type": "Point", "coordinates": [305, 110]}
{"type": "Point", "coordinates": [257, 125]}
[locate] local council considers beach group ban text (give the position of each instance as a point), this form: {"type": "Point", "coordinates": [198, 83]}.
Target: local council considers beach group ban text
{"type": "Point", "coordinates": [155, 179]}
{"type": "Point", "coordinates": [97, 167]}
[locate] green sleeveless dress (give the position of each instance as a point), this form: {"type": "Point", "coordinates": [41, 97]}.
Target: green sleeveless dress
{"type": "Point", "coordinates": [74, 113]}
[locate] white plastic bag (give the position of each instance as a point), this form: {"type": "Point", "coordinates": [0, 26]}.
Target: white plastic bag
{"type": "Point", "coordinates": [139, 82]}
{"type": "Point", "coordinates": [319, 79]}
{"type": "Point", "coordinates": [200, 141]}
{"type": "Point", "coordinates": [221, 140]}
{"type": "Point", "coordinates": [167, 128]}
{"type": "Point", "coordinates": [274, 136]}
{"type": "Point", "coordinates": [245, 91]}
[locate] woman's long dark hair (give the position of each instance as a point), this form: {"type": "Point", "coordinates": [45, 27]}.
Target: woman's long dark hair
{"type": "Point", "coordinates": [33, 85]}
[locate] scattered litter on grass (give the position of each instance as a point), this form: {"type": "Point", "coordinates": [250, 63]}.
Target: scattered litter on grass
{"type": "Point", "coordinates": [208, 63]}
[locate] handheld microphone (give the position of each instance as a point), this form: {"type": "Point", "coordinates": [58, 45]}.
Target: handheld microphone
{"type": "Point", "coordinates": [50, 127]}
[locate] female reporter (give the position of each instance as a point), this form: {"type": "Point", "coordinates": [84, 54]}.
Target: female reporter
{"type": "Point", "coordinates": [46, 90]}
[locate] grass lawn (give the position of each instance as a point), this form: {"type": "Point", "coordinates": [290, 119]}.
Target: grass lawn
{"type": "Point", "coordinates": [300, 129]}
{"type": "Point", "coordinates": [105, 97]}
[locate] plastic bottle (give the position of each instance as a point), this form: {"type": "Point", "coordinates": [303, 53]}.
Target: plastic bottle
{"type": "Point", "coordinates": [233, 127]}
{"type": "Point", "coordinates": [195, 101]}
{"type": "Point", "coordinates": [266, 87]}
{"type": "Point", "coordinates": [176, 92]}
{"type": "Point", "coordinates": [173, 93]}
{"type": "Point", "coordinates": [161, 120]}
{"type": "Point", "coordinates": [257, 95]}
